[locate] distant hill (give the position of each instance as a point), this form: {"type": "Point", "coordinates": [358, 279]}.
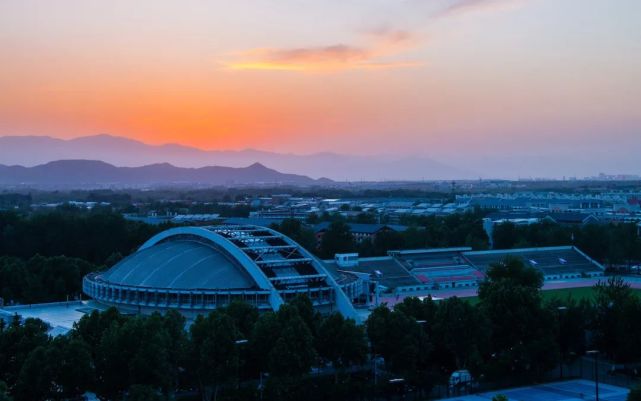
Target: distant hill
{"type": "Point", "coordinates": [91, 173]}
{"type": "Point", "coordinates": [119, 151]}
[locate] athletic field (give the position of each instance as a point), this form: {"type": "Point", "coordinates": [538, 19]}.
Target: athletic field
{"type": "Point", "coordinates": [573, 390]}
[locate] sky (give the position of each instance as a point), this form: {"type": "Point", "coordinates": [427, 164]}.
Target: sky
{"type": "Point", "coordinates": [542, 87]}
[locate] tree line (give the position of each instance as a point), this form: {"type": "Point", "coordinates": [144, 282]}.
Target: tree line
{"type": "Point", "coordinates": [46, 254]}
{"type": "Point", "coordinates": [464, 229]}
{"type": "Point", "coordinates": [93, 236]}
{"type": "Point", "coordinates": [510, 336]}
{"type": "Point", "coordinates": [612, 244]}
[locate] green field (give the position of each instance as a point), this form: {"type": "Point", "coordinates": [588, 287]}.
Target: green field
{"type": "Point", "coordinates": [576, 293]}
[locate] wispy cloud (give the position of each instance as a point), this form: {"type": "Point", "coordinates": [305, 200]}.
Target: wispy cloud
{"type": "Point", "coordinates": [458, 7]}
{"type": "Point", "coordinates": [382, 44]}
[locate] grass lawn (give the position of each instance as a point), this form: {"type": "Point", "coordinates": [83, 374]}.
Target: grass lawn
{"type": "Point", "coordinates": [576, 293]}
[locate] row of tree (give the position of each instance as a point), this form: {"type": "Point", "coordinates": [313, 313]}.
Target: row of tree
{"type": "Point", "coordinates": [41, 279]}
{"type": "Point", "coordinates": [428, 232]}
{"type": "Point", "coordinates": [151, 357]}
{"type": "Point", "coordinates": [608, 243]}
{"type": "Point", "coordinates": [94, 236]}
{"type": "Point", "coordinates": [510, 336]}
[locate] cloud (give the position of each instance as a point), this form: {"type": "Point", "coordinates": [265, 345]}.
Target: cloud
{"type": "Point", "coordinates": [383, 43]}
{"type": "Point", "coordinates": [458, 7]}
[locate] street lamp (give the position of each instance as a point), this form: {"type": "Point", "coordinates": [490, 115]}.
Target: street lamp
{"type": "Point", "coordinates": [561, 309]}
{"type": "Point", "coordinates": [596, 371]}
{"type": "Point", "coordinates": [240, 342]}
{"type": "Point", "coordinates": [421, 327]}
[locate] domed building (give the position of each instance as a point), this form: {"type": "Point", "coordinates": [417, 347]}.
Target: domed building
{"type": "Point", "coordinates": [198, 269]}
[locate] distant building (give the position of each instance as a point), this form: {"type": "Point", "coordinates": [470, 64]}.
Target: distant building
{"type": "Point", "coordinates": [360, 232]}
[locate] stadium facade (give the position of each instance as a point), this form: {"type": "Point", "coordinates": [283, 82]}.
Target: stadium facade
{"type": "Point", "coordinates": [198, 269]}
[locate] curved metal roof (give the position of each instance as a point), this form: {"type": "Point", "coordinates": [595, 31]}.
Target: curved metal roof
{"type": "Point", "coordinates": [179, 264]}
{"type": "Point", "coordinates": [227, 258]}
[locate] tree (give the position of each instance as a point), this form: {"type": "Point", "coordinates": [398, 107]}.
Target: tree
{"type": "Point", "coordinates": [264, 335]}
{"type": "Point", "coordinates": [293, 353]}
{"type": "Point", "coordinates": [17, 341]}
{"type": "Point", "coordinates": [500, 397]}
{"type": "Point", "coordinates": [214, 352]}
{"type": "Point", "coordinates": [616, 323]}
{"type": "Point", "coordinates": [388, 240]}
{"type": "Point", "coordinates": [341, 342]}
{"type": "Point", "coordinates": [634, 394]}
{"type": "Point", "coordinates": [36, 378]}
{"type": "Point", "coordinates": [294, 229]}
{"type": "Point", "coordinates": [4, 392]}
{"type": "Point", "coordinates": [143, 393]}
{"type": "Point", "coordinates": [337, 239]}
{"type": "Point", "coordinates": [523, 338]}
{"type": "Point", "coordinates": [73, 366]}
{"type": "Point", "coordinates": [504, 235]}
{"type": "Point", "coordinates": [462, 330]}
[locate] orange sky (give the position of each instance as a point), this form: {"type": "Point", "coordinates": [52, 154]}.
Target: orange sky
{"type": "Point", "coordinates": [379, 76]}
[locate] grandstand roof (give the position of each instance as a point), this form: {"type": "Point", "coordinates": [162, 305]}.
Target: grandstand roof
{"type": "Point", "coordinates": [548, 260]}
{"type": "Point", "coordinates": [392, 274]}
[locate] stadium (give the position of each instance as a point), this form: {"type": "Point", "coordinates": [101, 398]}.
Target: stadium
{"type": "Point", "coordinates": [427, 270]}
{"type": "Point", "coordinates": [198, 269]}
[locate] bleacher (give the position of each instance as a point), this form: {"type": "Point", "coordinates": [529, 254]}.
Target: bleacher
{"type": "Point", "coordinates": [446, 267]}
{"type": "Point", "coordinates": [385, 270]}
{"type": "Point", "coordinates": [553, 262]}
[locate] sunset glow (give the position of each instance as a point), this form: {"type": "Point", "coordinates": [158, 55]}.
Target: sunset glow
{"type": "Point", "coordinates": [450, 79]}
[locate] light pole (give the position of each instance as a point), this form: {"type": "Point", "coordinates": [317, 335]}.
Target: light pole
{"type": "Point", "coordinates": [421, 327]}
{"type": "Point", "coordinates": [596, 372]}
{"type": "Point", "coordinates": [239, 343]}
{"type": "Point", "coordinates": [560, 309]}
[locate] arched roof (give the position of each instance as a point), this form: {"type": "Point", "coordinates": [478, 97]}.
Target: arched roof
{"type": "Point", "coordinates": [179, 264]}
{"type": "Point", "coordinates": [226, 258]}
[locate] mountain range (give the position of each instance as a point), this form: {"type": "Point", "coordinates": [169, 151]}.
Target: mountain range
{"type": "Point", "coordinates": [119, 151]}
{"type": "Point", "coordinates": [93, 174]}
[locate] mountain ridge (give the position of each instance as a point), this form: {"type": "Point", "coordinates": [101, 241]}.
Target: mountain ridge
{"type": "Point", "coordinates": [82, 173]}
{"type": "Point", "coordinates": [120, 151]}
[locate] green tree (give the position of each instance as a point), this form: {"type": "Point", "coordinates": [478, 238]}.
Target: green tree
{"type": "Point", "coordinates": [37, 376]}
{"type": "Point", "coordinates": [341, 342]}
{"type": "Point", "coordinates": [462, 330]}
{"type": "Point", "coordinates": [214, 352]}
{"type": "Point", "coordinates": [617, 328]}
{"type": "Point", "coordinates": [294, 229]}
{"type": "Point", "coordinates": [17, 341]}
{"type": "Point", "coordinates": [4, 392]}
{"type": "Point", "coordinates": [139, 392]}
{"type": "Point", "coordinates": [523, 338]}
{"type": "Point", "coordinates": [337, 239]}
{"type": "Point", "coordinates": [293, 352]}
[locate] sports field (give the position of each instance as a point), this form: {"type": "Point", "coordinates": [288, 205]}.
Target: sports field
{"type": "Point", "coordinates": [573, 390]}
{"type": "Point", "coordinates": [577, 293]}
